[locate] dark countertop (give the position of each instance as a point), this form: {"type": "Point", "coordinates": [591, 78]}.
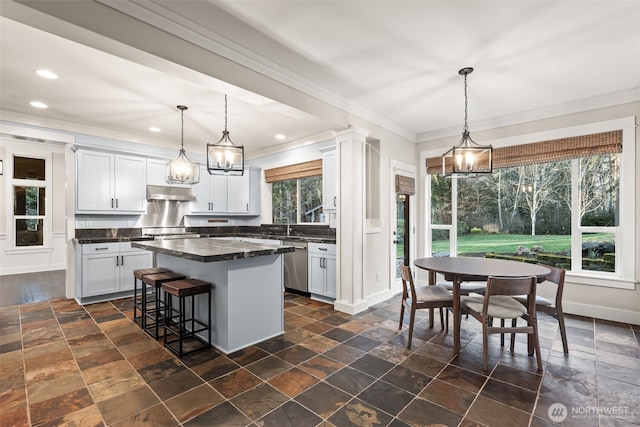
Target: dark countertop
{"type": "Point", "coordinates": [283, 237]}
{"type": "Point", "coordinates": [209, 249]}
{"type": "Point", "coordinates": [87, 240]}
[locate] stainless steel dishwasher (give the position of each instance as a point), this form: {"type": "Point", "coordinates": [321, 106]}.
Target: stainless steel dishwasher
{"type": "Point", "coordinates": [295, 267]}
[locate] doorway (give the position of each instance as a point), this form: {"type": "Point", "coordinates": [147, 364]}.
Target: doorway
{"type": "Point", "coordinates": [402, 219]}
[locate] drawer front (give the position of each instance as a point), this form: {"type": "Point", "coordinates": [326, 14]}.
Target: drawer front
{"type": "Point", "coordinates": [322, 248]}
{"type": "Point", "coordinates": [100, 248]}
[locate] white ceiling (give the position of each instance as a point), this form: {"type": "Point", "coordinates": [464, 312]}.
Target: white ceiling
{"type": "Point", "coordinates": [392, 63]}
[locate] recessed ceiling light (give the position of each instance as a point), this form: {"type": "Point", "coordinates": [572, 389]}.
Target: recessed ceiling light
{"type": "Point", "coordinates": [38, 104]}
{"type": "Point", "coordinates": [47, 74]}
{"type": "Point", "coordinates": [280, 136]}
{"type": "Point", "coordinates": [155, 129]}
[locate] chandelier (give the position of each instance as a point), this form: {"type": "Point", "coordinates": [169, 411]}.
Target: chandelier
{"type": "Point", "coordinates": [224, 157]}
{"type": "Point", "coordinates": [182, 170]}
{"type": "Point", "coordinates": [467, 159]}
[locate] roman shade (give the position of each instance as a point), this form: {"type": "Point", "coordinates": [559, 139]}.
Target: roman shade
{"type": "Point", "coordinates": [297, 171]}
{"type": "Point", "coordinates": [548, 151]}
{"type": "Point", "coordinates": [405, 185]}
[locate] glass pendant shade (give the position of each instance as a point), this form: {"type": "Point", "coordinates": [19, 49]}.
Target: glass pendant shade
{"type": "Point", "coordinates": [224, 157]}
{"type": "Point", "coordinates": [182, 170]}
{"type": "Point", "coordinates": [467, 159]}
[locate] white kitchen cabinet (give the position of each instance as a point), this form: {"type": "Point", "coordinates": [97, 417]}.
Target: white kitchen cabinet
{"type": "Point", "coordinates": [211, 194]}
{"type": "Point", "coordinates": [322, 269]}
{"type": "Point", "coordinates": [157, 173]}
{"type": "Point", "coordinates": [107, 268]}
{"type": "Point", "coordinates": [329, 180]}
{"type": "Point", "coordinates": [110, 183]}
{"type": "Point", "coordinates": [227, 194]}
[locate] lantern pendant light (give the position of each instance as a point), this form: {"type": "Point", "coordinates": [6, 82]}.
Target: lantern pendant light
{"type": "Point", "coordinates": [467, 159]}
{"type": "Point", "coordinates": [182, 170]}
{"type": "Point", "coordinates": [224, 157]}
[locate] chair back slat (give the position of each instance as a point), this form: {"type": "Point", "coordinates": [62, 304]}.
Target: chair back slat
{"type": "Point", "coordinates": [511, 285]}
{"type": "Point", "coordinates": [409, 289]}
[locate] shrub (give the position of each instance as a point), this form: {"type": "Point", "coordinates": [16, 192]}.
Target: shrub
{"type": "Point", "coordinates": [476, 230]}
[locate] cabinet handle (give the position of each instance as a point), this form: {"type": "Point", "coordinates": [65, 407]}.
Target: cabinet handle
{"type": "Point", "coordinates": [101, 249]}
{"type": "Point", "coordinates": [117, 262]}
{"type": "Point", "coordinates": [111, 203]}
{"type": "Point", "coordinates": [322, 249]}
{"type": "Point", "coordinates": [247, 207]}
{"type": "Point", "coordinates": [122, 260]}
{"type": "Point", "coordinates": [334, 201]}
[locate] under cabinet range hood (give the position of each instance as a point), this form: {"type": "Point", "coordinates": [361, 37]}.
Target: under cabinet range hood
{"type": "Point", "coordinates": [163, 192]}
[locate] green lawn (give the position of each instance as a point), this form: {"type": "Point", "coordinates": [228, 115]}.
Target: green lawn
{"type": "Point", "coordinates": [508, 243]}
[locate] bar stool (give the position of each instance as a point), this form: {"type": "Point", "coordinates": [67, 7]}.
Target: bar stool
{"type": "Point", "coordinates": [175, 319]}
{"type": "Point", "coordinates": [155, 313]}
{"type": "Point", "coordinates": [140, 303]}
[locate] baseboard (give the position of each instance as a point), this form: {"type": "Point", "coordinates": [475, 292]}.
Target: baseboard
{"type": "Point", "coordinates": [345, 307]}
{"type": "Point", "coordinates": [603, 313]}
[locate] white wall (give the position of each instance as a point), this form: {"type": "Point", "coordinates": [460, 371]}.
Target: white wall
{"type": "Point", "coordinates": [621, 305]}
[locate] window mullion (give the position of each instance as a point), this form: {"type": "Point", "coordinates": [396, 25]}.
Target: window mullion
{"type": "Point", "coordinates": [576, 232]}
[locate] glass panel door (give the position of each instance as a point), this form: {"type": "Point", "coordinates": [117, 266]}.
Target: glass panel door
{"type": "Point", "coordinates": [400, 239]}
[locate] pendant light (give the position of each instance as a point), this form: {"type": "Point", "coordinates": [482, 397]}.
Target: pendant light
{"type": "Point", "coordinates": [467, 159]}
{"type": "Point", "coordinates": [182, 170]}
{"type": "Point", "coordinates": [224, 157]}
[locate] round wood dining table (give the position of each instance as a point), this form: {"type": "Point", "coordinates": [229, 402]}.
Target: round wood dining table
{"type": "Point", "coordinates": [461, 269]}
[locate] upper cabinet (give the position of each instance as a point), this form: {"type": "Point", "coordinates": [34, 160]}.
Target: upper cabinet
{"type": "Point", "coordinates": [211, 194]}
{"type": "Point", "coordinates": [110, 183]}
{"type": "Point", "coordinates": [227, 195]}
{"type": "Point", "coordinates": [329, 180]}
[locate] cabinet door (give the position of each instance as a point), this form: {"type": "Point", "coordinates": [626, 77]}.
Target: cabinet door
{"type": "Point", "coordinates": [329, 181]}
{"type": "Point", "coordinates": [316, 274]}
{"type": "Point", "coordinates": [129, 262]}
{"type": "Point", "coordinates": [238, 196]}
{"type": "Point", "coordinates": [330, 277]}
{"type": "Point", "coordinates": [94, 181]}
{"type": "Point", "coordinates": [219, 193]}
{"type": "Point", "coordinates": [202, 203]}
{"type": "Point", "coordinates": [130, 183]}
{"type": "Point", "coordinates": [100, 274]}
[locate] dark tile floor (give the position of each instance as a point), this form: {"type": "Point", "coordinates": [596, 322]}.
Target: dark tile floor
{"type": "Point", "coordinates": [64, 364]}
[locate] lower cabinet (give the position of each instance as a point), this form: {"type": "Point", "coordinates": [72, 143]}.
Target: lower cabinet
{"type": "Point", "coordinates": [107, 268]}
{"type": "Point", "coordinates": [322, 269]}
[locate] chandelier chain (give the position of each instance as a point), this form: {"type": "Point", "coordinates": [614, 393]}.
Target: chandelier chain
{"type": "Point", "coordinates": [466, 127]}
{"type": "Point", "coordinates": [225, 112]}
{"type": "Point", "coordinates": [182, 129]}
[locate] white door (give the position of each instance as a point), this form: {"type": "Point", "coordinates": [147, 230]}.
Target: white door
{"type": "Point", "coordinates": [402, 214]}
{"type": "Point", "coordinates": [130, 183]}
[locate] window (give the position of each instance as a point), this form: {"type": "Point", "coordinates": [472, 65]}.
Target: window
{"type": "Point", "coordinates": [29, 196]}
{"type": "Point", "coordinates": [296, 193]}
{"type": "Point", "coordinates": [297, 200]}
{"type": "Point", "coordinates": [565, 208]}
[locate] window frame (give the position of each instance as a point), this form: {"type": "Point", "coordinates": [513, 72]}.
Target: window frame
{"type": "Point", "coordinates": [26, 149]}
{"type": "Point", "coordinates": [625, 231]}
{"type": "Point", "coordinates": [298, 198]}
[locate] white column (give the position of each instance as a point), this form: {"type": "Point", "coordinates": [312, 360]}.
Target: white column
{"type": "Point", "coordinates": [350, 145]}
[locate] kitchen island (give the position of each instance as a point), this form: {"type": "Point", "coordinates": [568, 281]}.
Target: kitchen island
{"type": "Point", "coordinates": [247, 299]}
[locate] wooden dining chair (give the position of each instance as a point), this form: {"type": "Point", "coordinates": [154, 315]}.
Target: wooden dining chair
{"type": "Point", "coordinates": [555, 279]}
{"type": "Point", "coordinates": [498, 303]}
{"type": "Point", "coordinates": [419, 297]}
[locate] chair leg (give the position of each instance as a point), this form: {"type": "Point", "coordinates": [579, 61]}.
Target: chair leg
{"type": "Point", "coordinates": [502, 334]}
{"type": "Point", "coordinates": [513, 335]}
{"type": "Point", "coordinates": [401, 314]}
{"type": "Point", "coordinates": [563, 331]}
{"type": "Point", "coordinates": [431, 318]}
{"type": "Point", "coordinates": [441, 320]}
{"type": "Point", "coordinates": [536, 345]}
{"type": "Point", "coordinates": [485, 344]}
{"type": "Point", "coordinates": [412, 318]}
